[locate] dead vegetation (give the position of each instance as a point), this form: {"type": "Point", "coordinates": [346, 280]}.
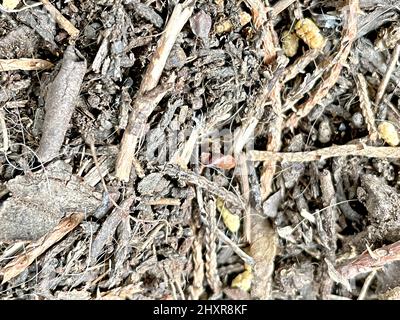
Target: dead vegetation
{"type": "Point", "coordinates": [199, 150]}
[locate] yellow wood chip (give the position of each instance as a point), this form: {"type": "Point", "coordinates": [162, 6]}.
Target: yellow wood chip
{"type": "Point", "coordinates": [243, 280]}
{"type": "Point", "coordinates": [388, 132]}
{"type": "Point", "coordinates": [309, 32]}
{"type": "Point", "coordinates": [290, 43]}
{"type": "Point", "coordinates": [231, 221]}
{"type": "Point", "coordinates": [10, 4]}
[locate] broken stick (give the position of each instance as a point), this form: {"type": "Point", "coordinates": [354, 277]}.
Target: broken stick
{"type": "Point", "coordinates": [369, 261]}
{"type": "Point", "coordinates": [178, 19]}
{"type": "Point", "coordinates": [358, 150]}
{"type": "Point", "coordinates": [35, 249]}
{"type": "Point", "coordinates": [61, 20]}
{"type": "Point", "coordinates": [24, 64]}
{"type": "Point", "coordinates": [143, 106]}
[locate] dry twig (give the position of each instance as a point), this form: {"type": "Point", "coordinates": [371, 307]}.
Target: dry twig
{"type": "Point", "coordinates": [61, 20]}
{"type": "Point", "coordinates": [142, 108]}
{"type": "Point", "coordinates": [178, 19]}
{"type": "Point", "coordinates": [367, 262]}
{"type": "Point", "coordinates": [335, 67]}
{"type": "Point", "coordinates": [35, 249]}
{"type": "Point", "coordinates": [357, 150]}
{"type": "Point", "coordinates": [389, 71]}
{"type": "Point", "coordinates": [24, 64]}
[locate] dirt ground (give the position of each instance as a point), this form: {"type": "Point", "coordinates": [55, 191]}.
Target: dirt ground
{"type": "Point", "coordinates": [208, 149]}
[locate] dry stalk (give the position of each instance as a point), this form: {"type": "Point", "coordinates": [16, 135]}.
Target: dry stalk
{"type": "Point", "coordinates": [366, 107]}
{"type": "Point", "coordinates": [178, 19]}
{"type": "Point", "coordinates": [261, 22]}
{"type": "Point", "coordinates": [335, 67]}
{"type": "Point", "coordinates": [197, 288]}
{"type": "Point", "coordinates": [244, 256]}
{"type": "Point", "coordinates": [202, 182]}
{"type": "Point", "coordinates": [143, 106]}
{"type": "Point", "coordinates": [61, 20]}
{"type": "Point", "coordinates": [389, 71]}
{"type": "Point", "coordinates": [356, 150]}
{"type": "Point", "coordinates": [60, 103]}
{"type": "Point", "coordinates": [300, 64]}
{"type": "Point", "coordinates": [281, 5]}
{"type": "Point", "coordinates": [245, 186]}
{"type": "Point", "coordinates": [369, 261]}
{"type": "Point", "coordinates": [274, 142]}
{"type": "Point", "coordinates": [327, 227]}
{"type": "Point", "coordinates": [211, 249]}
{"type": "Point", "coordinates": [35, 249]}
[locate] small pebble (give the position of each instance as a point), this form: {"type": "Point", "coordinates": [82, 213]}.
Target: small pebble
{"type": "Point", "coordinates": [200, 24]}
{"type": "Point", "coordinates": [324, 131]}
{"type": "Point", "coordinates": [176, 59]}
{"type": "Point", "coordinates": [357, 119]}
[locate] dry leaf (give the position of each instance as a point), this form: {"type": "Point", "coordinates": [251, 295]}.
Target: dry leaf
{"type": "Point", "coordinates": [223, 162]}
{"type": "Point", "coordinates": [231, 221]}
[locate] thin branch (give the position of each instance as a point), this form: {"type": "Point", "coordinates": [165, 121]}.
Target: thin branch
{"type": "Point", "coordinates": [358, 150]}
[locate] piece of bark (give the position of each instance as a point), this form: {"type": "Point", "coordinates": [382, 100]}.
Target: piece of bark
{"type": "Point", "coordinates": [40, 200]}
{"type": "Point", "coordinates": [60, 103]}
{"type": "Point", "coordinates": [106, 233]}
{"type": "Point", "coordinates": [263, 249]}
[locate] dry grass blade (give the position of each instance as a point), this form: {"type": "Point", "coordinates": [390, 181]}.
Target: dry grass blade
{"type": "Point", "coordinates": [357, 150]}
{"type": "Point", "coordinates": [35, 249]}
{"type": "Point", "coordinates": [349, 35]}
{"type": "Point", "coordinates": [24, 64]}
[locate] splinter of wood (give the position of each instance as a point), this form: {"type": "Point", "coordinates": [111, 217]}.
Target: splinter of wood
{"type": "Point", "coordinates": [138, 117]}
{"type": "Point", "coordinates": [60, 103]}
